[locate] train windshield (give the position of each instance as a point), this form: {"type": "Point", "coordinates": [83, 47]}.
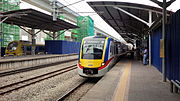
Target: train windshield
{"type": "Point", "coordinates": [92, 49]}
{"type": "Point", "coordinates": [12, 46]}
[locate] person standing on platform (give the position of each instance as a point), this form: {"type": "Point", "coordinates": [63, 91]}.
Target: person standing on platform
{"type": "Point", "coordinates": [145, 56]}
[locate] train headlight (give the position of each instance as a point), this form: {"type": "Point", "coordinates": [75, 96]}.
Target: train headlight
{"type": "Point", "coordinates": [103, 64]}
{"type": "Point", "coordinates": [14, 48]}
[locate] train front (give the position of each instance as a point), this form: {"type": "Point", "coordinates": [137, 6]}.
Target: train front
{"type": "Point", "coordinates": [91, 61]}
{"type": "Point", "coordinates": [12, 49]}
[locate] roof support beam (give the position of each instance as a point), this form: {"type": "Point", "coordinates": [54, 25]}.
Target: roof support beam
{"type": "Point", "coordinates": [49, 34]}
{"type": "Point", "coordinates": [156, 23]}
{"type": "Point", "coordinates": [3, 20]}
{"type": "Point", "coordinates": [161, 3]}
{"type": "Point", "coordinates": [126, 6]}
{"type": "Point", "coordinates": [60, 33]}
{"type": "Point", "coordinates": [150, 18]}
{"type": "Point", "coordinates": [148, 24]}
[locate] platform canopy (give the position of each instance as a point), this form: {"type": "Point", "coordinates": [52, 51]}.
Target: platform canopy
{"type": "Point", "coordinates": [34, 19]}
{"type": "Point", "coordinates": [130, 20]}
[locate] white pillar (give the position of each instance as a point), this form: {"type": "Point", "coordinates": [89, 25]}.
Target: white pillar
{"type": "Point", "coordinates": [149, 49]}
{"type": "Point", "coordinates": [150, 23]}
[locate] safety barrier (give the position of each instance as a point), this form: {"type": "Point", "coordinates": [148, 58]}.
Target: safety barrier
{"type": "Point", "coordinates": [175, 86]}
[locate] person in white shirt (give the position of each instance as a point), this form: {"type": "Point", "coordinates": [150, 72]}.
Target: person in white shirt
{"type": "Point", "coordinates": [145, 56]}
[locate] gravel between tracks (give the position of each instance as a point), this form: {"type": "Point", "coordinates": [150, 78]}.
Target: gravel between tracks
{"type": "Point", "coordinates": [23, 76]}
{"type": "Point", "coordinates": [81, 91]}
{"type": "Point", "coordinates": [47, 90]}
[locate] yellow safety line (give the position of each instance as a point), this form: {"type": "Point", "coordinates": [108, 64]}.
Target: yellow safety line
{"type": "Point", "coordinates": [122, 85]}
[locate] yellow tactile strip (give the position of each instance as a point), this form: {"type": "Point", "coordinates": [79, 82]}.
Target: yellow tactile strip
{"type": "Point", "coordinates": [122, 87]}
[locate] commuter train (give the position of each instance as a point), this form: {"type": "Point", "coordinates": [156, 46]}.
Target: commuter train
{"type": "Point", "coordinates": [97, 55]}
{"type": "Point", "coordinates": [18, 48]}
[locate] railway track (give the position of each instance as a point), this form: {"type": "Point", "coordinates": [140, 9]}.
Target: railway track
{"type": "Point", "coordinates": [71, 90]}
{"type": "Point", "coordinates": [79, 90]}
{"type": "Point", "coordinates": [16, 71]}
{"type": "Point", "coordinates": [17, 85]}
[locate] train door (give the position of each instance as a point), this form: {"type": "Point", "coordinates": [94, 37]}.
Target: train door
{"type": "Point", "coordinates": [112, 52]}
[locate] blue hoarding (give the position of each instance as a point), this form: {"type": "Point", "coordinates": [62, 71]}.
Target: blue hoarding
{"type": "Point", "coordinates": [61, 47]}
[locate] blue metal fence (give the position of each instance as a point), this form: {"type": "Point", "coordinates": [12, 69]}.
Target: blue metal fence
{"type": "Point", "coordinates": [155, 40]}
{"type": "Point", "coordinates": [61, 47]}
{"type": "Point", "coordinates": [172, 53]}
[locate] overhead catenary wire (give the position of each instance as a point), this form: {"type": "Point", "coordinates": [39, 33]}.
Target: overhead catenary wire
{"type": "Point", "coordinates": [71, 4]}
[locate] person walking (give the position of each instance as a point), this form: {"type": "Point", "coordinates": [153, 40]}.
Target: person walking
{"type": "Point", "coordinates": [145, 56]}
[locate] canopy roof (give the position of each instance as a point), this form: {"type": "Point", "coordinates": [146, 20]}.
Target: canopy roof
{"type": "Point", "coordinates": [130, 20]}
{"type": "Point", "coordinates": [37, 20]}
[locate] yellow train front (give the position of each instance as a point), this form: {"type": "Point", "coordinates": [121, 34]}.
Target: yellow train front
{"type": "Point", "coordinates": [18, 48]}
{"type": "Point", "coordinates": [96, 56]}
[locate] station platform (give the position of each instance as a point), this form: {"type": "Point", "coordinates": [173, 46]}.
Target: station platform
{"type": "Point", "coordinates": [130, 80]}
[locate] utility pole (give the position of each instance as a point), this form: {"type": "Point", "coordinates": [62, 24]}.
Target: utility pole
{"type": "Point", "coordinates": [164, 5]}
{"type": "Point", "coordinates": [54, 7]}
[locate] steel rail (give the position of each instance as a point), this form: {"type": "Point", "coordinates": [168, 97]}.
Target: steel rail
{"type": "Point", "coordinates": [17, 85]}
{"type": "Point", "coordinates": [71, 91]}
{"type": "Point", "coordinates": [30, 68]}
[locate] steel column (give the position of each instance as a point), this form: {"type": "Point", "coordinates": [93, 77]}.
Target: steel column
{"type": "Point", "coordinates": [163, 38]}
{"type": "Point", "coordinates": [149, 49]}
{"type": "Point", "coordinates": [150, 23]}
{"type": "Point", "coordinates": [33, 35]}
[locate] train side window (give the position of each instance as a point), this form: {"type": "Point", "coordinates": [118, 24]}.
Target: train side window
{"type": "Point", "coordinates": [110, 49]}
{"type": "Point", "coordinates": [113, 49]}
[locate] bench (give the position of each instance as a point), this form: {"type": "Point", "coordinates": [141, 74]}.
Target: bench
{"type": "Point", "coordinates": [175, 86]}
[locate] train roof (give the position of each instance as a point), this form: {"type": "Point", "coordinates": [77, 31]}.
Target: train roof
{"type": "Point", "coordinates": [89, 37]}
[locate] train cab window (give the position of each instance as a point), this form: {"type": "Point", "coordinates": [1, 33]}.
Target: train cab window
{"type": "Point", "coordinates": [28, 48]}
{"type": "Point", "coordinates": [12, 46]}
{"type": "Point", "coordinates": [92, 49]}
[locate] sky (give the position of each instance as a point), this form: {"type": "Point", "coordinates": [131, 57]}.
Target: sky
{"type": "Point", "coordinates": [99, 22]}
